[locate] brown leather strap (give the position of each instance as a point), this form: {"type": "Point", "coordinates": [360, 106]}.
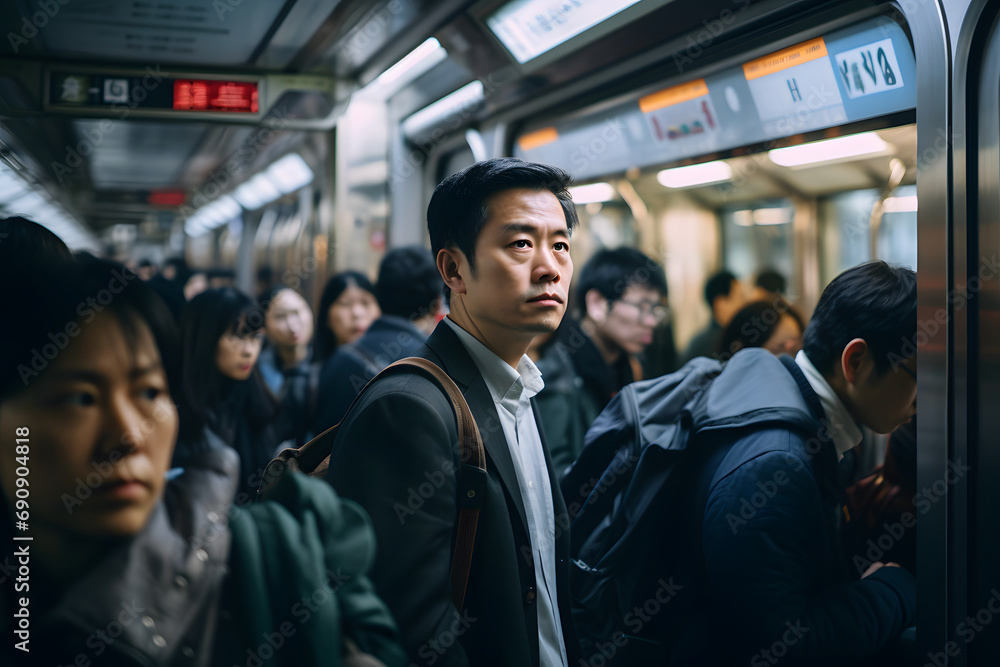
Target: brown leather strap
{"type": "Point", "coordinates": [472, 477]}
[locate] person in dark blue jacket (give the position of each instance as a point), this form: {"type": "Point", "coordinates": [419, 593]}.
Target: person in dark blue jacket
{"type": "Point", "coordinates": [763, 572]}
{"type": "Point", "coordinates": [409, 292]}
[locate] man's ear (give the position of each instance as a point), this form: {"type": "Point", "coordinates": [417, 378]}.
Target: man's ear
{"type": "Point", "coordinates": [450, 263]}
{"type": "Point", "coordinates": [852, 358]}
{"type": "Point", "coordinates": [597, 305]}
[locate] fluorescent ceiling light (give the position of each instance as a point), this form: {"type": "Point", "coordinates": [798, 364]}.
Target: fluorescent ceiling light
{"type": "Point", "coordinates": [256, 192]}
{"type": "Point", "coordinates": [771, 216]}
{"type": "Point", "coordinates": [842, 148]}
{"type": "Point", "coordinates": [416, 62]}
{"type": "Point", "coordinates": [743, 218]}
{"type": "Point", "coordinates": [461, 101]}
{"type": "Point", "coordinates": [900, 205]}
{"type": "Point", "coordinates": [697, 174]}
{"type": "Point", "coordinates": [529, 28]}
{"type": "Point", "coordinates": [212, 215]}
{"type": "Point", "coordinates": [289, 173]}
{"type": "Point", "coordinates": [11, 186]}
{"type": "Point", "coordinates": [594, 192]}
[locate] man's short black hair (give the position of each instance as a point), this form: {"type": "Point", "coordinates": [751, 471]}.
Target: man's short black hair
{"type": "Point", "coordinates": [408, 282]}
{"type": "Point", "coordinates": [771, 281]}
{"type": "Point", "coordinates": [611, 272]}
{"type": "Point", "coordinates": [458, 209]}
{"type": "Point", "coordinates": [718, 284]}
{"type": "Point", "coordinates": [873, 301]}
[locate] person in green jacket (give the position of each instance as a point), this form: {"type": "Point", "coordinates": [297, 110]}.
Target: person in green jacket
{"type": "Point", "coordinates": [107, 562]}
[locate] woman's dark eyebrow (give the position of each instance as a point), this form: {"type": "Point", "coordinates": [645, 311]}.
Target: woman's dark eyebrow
{"type": "Point", "coordinates": [95, 377]}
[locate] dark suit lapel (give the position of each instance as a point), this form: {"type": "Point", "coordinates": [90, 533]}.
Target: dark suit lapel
{"type": "Point", "coordinates": [455, 361]}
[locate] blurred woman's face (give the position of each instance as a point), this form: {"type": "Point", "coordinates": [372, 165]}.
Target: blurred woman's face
{"type": "Point", "coordinates": [786, 338]}
{"type": "Point", "coordinates": [237, 352]}
{"type": "Point", "coordinates": [289, 321]}
{"type": "Point", "coordinates": [98, 430]}
{"type": "Point", "coordinates": [352, 313]}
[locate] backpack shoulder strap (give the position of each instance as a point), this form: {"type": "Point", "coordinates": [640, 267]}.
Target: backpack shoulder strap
{"type": "Point", "coordinates": [471, 481]}
{"type": "Point", "coordinates": [313, 458]}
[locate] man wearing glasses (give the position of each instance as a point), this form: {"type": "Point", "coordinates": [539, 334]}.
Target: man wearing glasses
{"type": "Point", "coordinates": [619, 297]}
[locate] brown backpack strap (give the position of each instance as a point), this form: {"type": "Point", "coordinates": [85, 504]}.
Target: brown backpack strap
{"type": "Point", "coordinates": [313, 458]}
{"type": "Point", "coordinates": [471, 479]}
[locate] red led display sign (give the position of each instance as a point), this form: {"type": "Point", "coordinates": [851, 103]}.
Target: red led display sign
{"type": "Point", "coordinates": [203, 95]}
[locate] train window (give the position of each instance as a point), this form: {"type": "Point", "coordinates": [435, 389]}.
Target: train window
{"type": "Point", "coordinates": [846, 221]}
{"type": "Point", "coordinates": [760, 236]}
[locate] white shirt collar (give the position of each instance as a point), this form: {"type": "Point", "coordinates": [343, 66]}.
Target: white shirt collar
{"type": "Point", "coordinates": [845, 431]}
{"type": "Point", "coordinates": [505, 384]}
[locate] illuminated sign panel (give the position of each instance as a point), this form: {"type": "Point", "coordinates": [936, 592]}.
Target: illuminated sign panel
{"type": "Point", "coordinates": [859, 72]}
{"type": "Point", "coordinates": [201, 95]}
{"type": "Point", "coordinates": [124, 93]}
{"type": "Point", "coordinates": [529, 28]}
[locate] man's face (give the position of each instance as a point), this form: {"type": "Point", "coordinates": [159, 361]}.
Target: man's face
{"type": "Point", "coordinates": [884, 401]}
{"type": "Point", "coordinates": [102, 428]}
{"type": "Point", "coordinates": [289, 321]}
{"type": "Point", "coordinates": [523, 267]}
{"type": "Point", "coordinates": [630, 320]}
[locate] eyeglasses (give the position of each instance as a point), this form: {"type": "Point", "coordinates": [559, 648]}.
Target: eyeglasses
{"type": "Point", "coordinates": [646, 308]}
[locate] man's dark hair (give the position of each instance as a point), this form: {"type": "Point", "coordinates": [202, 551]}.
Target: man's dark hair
{"type": "Point", "coordinates": [611, 272]}
{"type": "Point", "coordinates": [718, 284]}
{"type": "Point", "coordinates": [458, 210]}
{"type": "Point", "coordinates": [408, 282]}
{"type": "Point", "coordinates": [772, 281]}
{"type": "Point", "coordinates": [872, 301]}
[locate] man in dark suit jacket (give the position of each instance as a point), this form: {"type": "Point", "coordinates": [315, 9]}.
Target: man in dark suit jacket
{"type": "Point", "coordinates": [409, 293]}
{"type": "Point", "coordinates": [500, 234]}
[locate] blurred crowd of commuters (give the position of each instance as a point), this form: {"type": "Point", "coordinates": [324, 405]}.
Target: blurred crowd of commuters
{"type": "Point", "coordinates": [250, 376]}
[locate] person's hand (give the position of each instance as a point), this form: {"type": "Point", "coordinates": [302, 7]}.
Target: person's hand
{"type": "Point", "coordinates": [877, 565]}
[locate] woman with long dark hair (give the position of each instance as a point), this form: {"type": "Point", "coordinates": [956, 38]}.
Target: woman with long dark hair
{"type": "Point", "coordinates": [126, 567]}
{"type": "Point", "coordinates": [223, 393]}
{"type": "Point", "coordinates": [346, 310]}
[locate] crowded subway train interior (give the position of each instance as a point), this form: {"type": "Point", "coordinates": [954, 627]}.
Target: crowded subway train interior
{"type": "Point", "coordinates": [797, 136]}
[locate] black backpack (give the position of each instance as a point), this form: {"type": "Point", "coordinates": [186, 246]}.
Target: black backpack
{"type": "Point", "coordinates": [616, 497]}
{"type": "Point", "coordinates": [626, 496]}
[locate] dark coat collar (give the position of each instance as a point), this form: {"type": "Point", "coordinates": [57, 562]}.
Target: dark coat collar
{"type": "Point", "coordinates": [448, 352]}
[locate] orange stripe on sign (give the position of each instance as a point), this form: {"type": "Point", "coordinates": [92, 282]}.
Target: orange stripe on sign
{"type": "Point", "coordinates": [546, 135]}
{"type": "Point", "coordinates": [673, 95]}
{"type": "Point", "coordinates": [782, 60]}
